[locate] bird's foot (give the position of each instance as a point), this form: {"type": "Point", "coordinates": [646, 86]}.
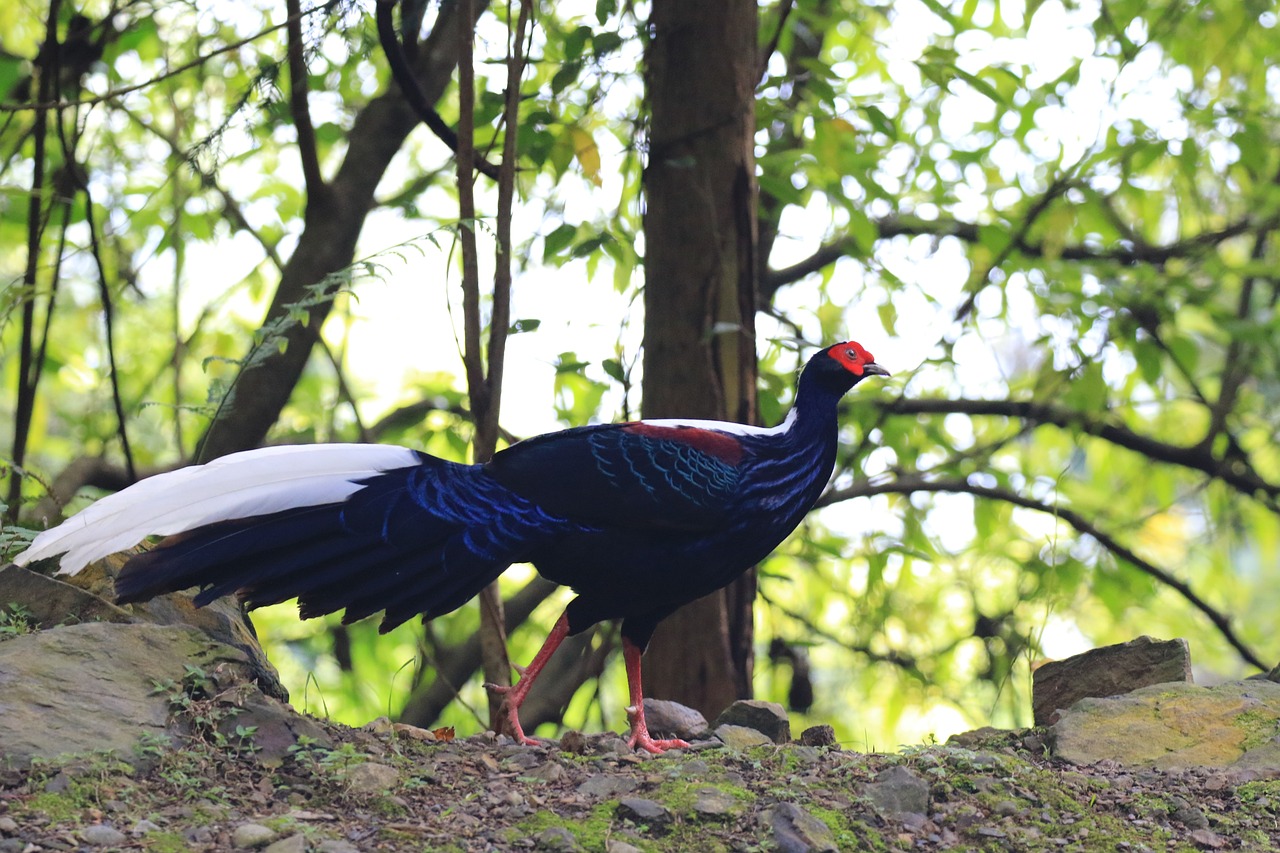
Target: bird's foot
{"type": "Point", "coordinates": [640, 740]}
{"type": "Point", "coordinates": [513, 715]}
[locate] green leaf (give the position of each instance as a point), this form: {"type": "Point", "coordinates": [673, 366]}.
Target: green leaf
{"type": "Point", "coordinates": [558, 240]}
{"type": "Point", "coordinates": [613, 367]}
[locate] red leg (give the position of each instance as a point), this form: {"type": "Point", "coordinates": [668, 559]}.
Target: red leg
{"type": "Point", "coordinates": [639, 729]}
{"type": "Point", "coordinates": [517, 693]}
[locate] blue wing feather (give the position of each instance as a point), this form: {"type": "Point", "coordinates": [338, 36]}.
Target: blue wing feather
{"type": "Point", "coordinates": [627, 476]}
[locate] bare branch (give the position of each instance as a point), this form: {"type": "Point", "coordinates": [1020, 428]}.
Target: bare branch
{"type": "Point", "coordinates": [299, 106]}
{"type": "Point", "coordinates": [1235, 472]}
{"type": "Point", "coordinates": [47, 104]}
{"type": "Point", "coordinates": [909, 226]}
{"type": "Point", "coordinates": [910, 484]}
{"type": "Point", "coordinates": [417, 100]}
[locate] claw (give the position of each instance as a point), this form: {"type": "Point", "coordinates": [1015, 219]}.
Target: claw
{"type": "Point", "coordinates": [640, 739]}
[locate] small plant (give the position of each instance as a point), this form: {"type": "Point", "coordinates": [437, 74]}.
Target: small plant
{"type": "Point", "coordinates": [16, 620]}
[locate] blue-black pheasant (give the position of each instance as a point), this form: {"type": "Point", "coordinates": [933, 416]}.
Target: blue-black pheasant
{"type": "Point", "coordinates": [637, 518]}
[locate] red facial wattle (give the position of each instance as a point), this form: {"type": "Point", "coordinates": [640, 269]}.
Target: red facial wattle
{"type": "Point", "coordinates": [852, 356]}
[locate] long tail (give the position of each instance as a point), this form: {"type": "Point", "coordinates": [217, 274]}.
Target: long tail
{"type": "Point", "coordinates": [360, 527]}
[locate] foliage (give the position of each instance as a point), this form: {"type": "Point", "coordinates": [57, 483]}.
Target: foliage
{"type": "Point", "coordinates": [1054, 222]}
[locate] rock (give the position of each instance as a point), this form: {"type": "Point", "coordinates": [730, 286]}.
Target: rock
{"type": "Point", "coordinates": [1175, 726]}
{"type": "Point", "coordinates": [818, 736]}
{"type": "Point", "coordinates": [573, 742]}
{"type": "Point", "coordinates": [293, 844]}
{"type": "Point", "coordinates": [1207, 839]}
{"type": "Point", "coordinates": [639, 810]}
{"type": "Point", "coordinates": [770, 718]}
{"type": "Point", "coordinates": [101, 835]}
{"type": "Point", "coordinates": [898, 791]}
{"type": "Point", "coordinates": [671, 719]}
{"type": "Point", "coordinates": [91, 687]}
{"type": "Point", "coordinates": [336, 845]}
{"type": "Point", "coordinates": [741, 737]}
{"type": "Point", "coordinates": [252, 835]}
{"type": "Point", "coordinates": [613, 845]}
{"type": "Point", "coordinates": [143, 827]}
{"type": "Point", "coordinates": [8, 825]}
{"type": "Point", "coordinates": [13, 845]}
{"type": "Point", "coordinates": [1108, 671]}
{"type": "Point", "coordinates": [88, 596]}
{"type": "Point", "coordinates": [549, 771]}
{"type": "Point", "coordinates": [602, 786]}
{"type": "Point", "coordinates": [1188, 815]}
{"type": "Point", "coordinates": [797, 831]}
{"type": "Point", "coordinates": [52, 601]}
{"type": "Point", "coordinates": [556, 838]}
{"type": "Point", "coordinates": [371, 778]}
{"type": "Point", "coordinates": [713, 803]}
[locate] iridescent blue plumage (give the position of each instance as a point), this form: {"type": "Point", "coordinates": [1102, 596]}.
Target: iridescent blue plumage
{"type": "Point", "coordinates": [636, 518]}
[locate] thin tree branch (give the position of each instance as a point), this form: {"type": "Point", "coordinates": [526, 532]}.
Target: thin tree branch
{"type": "Point", "coordinates": [898, 226]}
{"type": "Point", "coordinates": [28, 371]}
{"type": "Point", "coordinates": [909, 484]}
{"type": "Point", "coordinates": [299, 106]}
{"type": "Point", "coordinates": [230, 207]}
{"type": "Point", "coordinates": [108, 316]}
{"type": "Point", "coordinates": [398, 62]}
{"type": "Point", "coordinates": [1233, 472]}
{"type": "Point", "coordinates": [46, 103]}
{"type": "Point", "coordinates": [784, 13]}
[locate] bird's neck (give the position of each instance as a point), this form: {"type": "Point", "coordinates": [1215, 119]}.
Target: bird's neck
{"type": "Point", "coordinates": [813, 419]}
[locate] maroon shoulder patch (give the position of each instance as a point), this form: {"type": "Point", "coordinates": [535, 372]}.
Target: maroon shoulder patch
{"type": "Point", "coordinates": [722, 446]}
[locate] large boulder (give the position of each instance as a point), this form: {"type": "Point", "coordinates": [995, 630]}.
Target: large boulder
{"type": "Point", "coordinates": [1235, 725]}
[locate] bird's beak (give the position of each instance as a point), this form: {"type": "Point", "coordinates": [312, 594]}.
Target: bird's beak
{"type": "Point", "coordinates": [873, 369]}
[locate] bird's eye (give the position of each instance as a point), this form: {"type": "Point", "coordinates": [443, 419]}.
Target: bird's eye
{"type": "Point", "coordinates": [851, 354]}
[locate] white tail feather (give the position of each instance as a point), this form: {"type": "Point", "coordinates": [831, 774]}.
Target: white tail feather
{"type": "Point", "coordinates": [240, 485]}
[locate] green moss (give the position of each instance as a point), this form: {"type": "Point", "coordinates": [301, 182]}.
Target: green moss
{"type": "Point", "coordinates": [59, 808]}
{"type": "Point", "coordinates": [165, 842]}
{"type": "Point", "coordinates": [1259, 727]}
{"type": "Point", "coordinates": [591, 831]}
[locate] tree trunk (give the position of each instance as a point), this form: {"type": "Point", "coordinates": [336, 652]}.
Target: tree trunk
{"type": "Point", "coordinates": [327, 245]}
{"type": "Point", "coordinates": [701, 276]}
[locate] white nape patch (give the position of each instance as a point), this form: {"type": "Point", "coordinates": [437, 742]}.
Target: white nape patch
{"type": "Point", "coordinates": [254, 482]}
{"type": "Point", "coordinates": [728, 426]}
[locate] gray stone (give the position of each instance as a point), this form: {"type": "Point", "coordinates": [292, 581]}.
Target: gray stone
{"type": "Point", "coordinates": [91, 687]}
{"type": "Point", "coordinates": [714, 803]}
{"type": "Point", "coordinates": [371, 778]}
{"type": "Point", "coordinates": [741, 737]}
{"type": "Point", "coordinates": [767, 717]}
{"type": "Point", "coordinates": [897, 791]}
{"type": "Point", "coordinates": [1107, 671]}
{"type": "Point", "coordinates": [252, 835]}
{"type": "Point", "coordinates": [1177, 726]}
{"type": "Point", "coordinates": [818, 736]}
{"type": "Point", "coordinates": [603, 786]}
{"type": "Point", "coordinates": [88, 596]}
{"type": "Point", "coordinates": [336, 845]}
{"type": "Point", "coordinates": [143, 827]}
{"type": "Point", "coordinates": [556, 838]}
{"type": "Point", "coordinates": [13, 845]}
{"type": "Point", "coordinates": [671, 719]}
{"type": "Point", "coordinates": [293, 844]}
{"type": "Point", "coordinates": [101, 835]}
{"type": "Point", "coordinates": [613, 845]}
{"type": "Point", "coordinates": [797, 831]}
{"type": "Point", "coordinates": [648, 812]}
{"type": "Point", "coordinates": [8, 825]}
{"type": "Point", "coordinates": [549, 771]}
